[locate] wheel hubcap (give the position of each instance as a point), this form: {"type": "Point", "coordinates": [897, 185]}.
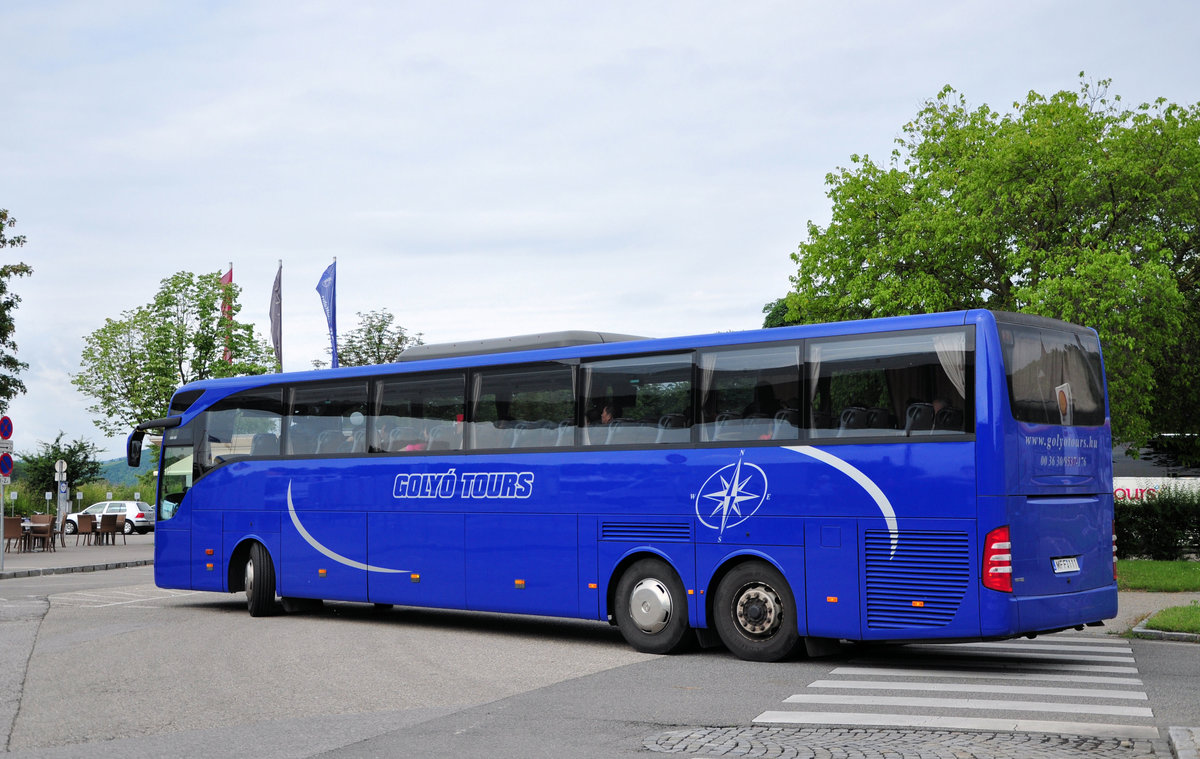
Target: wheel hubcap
{"type": "Point", "coordinates": [650, 605]}
{"type": "Point", "coordinates": [249, 577]}
{"type": "Point", "coordinates": [758, 611]}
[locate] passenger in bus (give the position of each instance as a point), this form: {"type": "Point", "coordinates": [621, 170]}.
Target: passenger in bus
{"type": "Point", "coordinates": [764, 404]}
{"type": "Point", "coordinates": [606, 414]}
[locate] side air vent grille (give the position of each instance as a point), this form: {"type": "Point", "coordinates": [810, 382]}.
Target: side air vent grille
{"type": "Point", "coordinates": [646, 532]}
{"type": "Point", "coordinates": [922, 585]}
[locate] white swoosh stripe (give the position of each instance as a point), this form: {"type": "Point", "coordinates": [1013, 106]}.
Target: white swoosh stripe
{"type": "Point", "coordinates": [865, 482]}
{"type": "Point", "coordinates": [308, 538]}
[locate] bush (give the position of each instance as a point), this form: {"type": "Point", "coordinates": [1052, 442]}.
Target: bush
{"type": "Point", "coordinates": [1182, 450]}
{"type": "Point", "coordinates": [1164, 528]}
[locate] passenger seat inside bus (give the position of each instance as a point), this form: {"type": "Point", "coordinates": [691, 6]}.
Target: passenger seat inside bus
{"type": "Point", "coordinates": [918, 418]}
{"type": "Point", "coordinates": [264, 444]}
{"type": "Point", "coordinates": [787, 424]}
{"type": "Point", "coordinates": [673, 428]}
{"type": "Point", "coordinates": [948, 419]}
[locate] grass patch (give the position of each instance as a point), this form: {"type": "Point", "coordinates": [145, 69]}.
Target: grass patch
{"type": "Point", "coordinates": [1158, 576]}
{"type": "Point", "coordinates": [1184, 619]}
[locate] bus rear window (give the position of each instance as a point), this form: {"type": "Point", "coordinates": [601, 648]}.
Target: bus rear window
{"type": "Point", "coordinates": [1054, 377]}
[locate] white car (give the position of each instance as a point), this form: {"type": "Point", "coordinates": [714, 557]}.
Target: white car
{"type": "Point", "coordinates": [138, 516]}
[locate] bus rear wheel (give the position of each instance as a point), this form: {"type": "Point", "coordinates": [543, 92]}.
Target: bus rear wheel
{"type": "Point", "coordinates": [260, 582]}
{"type": "Point", "coordinates": [755, 613]}
{"type": "Point", "coordinates": [651, 607]}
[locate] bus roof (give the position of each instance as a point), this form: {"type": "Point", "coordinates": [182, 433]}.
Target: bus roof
{"type": "Point", "coordinates": [516, 343]}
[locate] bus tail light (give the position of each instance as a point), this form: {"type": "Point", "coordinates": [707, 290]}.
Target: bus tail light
{"type": "Point", "coordinates": [1114, 549]}
{"type": "Point", "coordinates": [997, 560]}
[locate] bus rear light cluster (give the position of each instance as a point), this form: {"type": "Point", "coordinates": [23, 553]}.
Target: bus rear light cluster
{"type": "Point", "coordinates": [997, 560]}
{"type": "Point", "coordinates": [1114, 549]}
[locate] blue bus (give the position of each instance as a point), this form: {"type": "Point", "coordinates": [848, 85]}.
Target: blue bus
{"type": "Point", "coordinates": [931, 477]}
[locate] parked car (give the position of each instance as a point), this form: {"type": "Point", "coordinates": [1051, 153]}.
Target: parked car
{"type": "Point", "coordinates": [138, 516]}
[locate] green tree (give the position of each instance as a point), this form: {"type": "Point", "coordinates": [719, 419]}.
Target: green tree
{"type": "Point", "coordinates": [10, 367]}
{"type": "Point", "coordinates": [37, 469]}
{"type": "Point", "coordinates": [775, 314]}
{"type": "Point", "coordinates": [132, 365]}
{"type": "Point", "coordinates": [375, 340]}
{"type": "Point", "coordinates": [1070, 206]}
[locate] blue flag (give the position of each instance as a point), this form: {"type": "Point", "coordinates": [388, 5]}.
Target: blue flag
{"type": "Point", "coordinates": [327, 289]}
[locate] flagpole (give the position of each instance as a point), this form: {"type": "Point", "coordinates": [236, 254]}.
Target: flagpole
{"type": "Point", "coordinates": [333, 317]}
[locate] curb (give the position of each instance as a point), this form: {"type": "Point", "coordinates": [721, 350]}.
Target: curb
{"type": "Point", "coordinates": [1141, 631]}
{"type": "Point", "coordinates": [1184, 741]}
{"type": "Point", "coordinates": [17, 573]}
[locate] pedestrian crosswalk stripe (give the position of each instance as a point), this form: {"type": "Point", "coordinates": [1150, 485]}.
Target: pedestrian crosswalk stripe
{"type": "Point", "coordinates": [1038, 645]}
{"type": "Point", "coordinates": [981, 674]}
{"type": "Point", "coordinates": [1088, 639]}
{"type": "Point", "coordinates": [971, 703]}
{"type": "Point", "coordinates": [1095, 729]}
{"type": "Point", "coordinates": [985, 688]}
{"type": "Point", "coordinates": [1028, 654]}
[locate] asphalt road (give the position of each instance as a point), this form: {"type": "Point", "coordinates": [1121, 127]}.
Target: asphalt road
{"type": "Point", "coordinates": [110, 664]}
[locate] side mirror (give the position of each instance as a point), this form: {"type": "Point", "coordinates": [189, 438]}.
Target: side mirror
{"type": "Point", "coordinates": [133, 448]}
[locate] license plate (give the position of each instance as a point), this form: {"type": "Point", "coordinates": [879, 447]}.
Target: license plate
{"type": "Point", "coordinates": [1069, 564]}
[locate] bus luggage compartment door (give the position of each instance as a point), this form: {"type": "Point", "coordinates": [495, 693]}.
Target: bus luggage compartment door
{"type": "Point", "coordinates": [328, 561]}
{"type": "Point", "coordinates": [523, 563]}
{"type": "Point", "coordinates": [831, 578]}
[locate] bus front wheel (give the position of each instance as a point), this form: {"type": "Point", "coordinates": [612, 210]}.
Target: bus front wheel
{"type": "Point", "coordinates": [755, 613]}
{"type": "Point", "coordinates": [651, 607]}
{"type": "Point", "coordinates": [260, 582]}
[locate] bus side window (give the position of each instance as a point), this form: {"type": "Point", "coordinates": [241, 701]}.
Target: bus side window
{"type": "Point", "coordinates": [750, 393]}
{"type": "Point", "coordinates": [523, 407]}
{"type": "Point", "coordinates": [239, 426]}
{"type": "Point", "coordinates": [323, 418]}
{"type": "Point", "coordinates": [418, 412]}
{"type": "Point", "coordinates": [644, 400]}
{"type": "Point", "coordinates": [908, 384]}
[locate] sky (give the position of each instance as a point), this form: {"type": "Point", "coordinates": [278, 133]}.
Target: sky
{"type": "Point", "coordinates": [482, 169]}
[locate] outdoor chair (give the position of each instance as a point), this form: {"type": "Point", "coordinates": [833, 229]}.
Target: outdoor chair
{"type": "Point", "coordinates": [87, 529]}
{"type": "Point", "coordinates": [42, 531]}
{"type": "Point", "coordinates": [120, 530]}
{"type": "Point", "coordinates": [108, 528]}
{"type": "Point", "coordinates": [13, 532]}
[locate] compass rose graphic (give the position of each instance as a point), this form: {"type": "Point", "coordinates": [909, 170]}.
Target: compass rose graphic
{"type": "Point", "coordinates": [731, 495]}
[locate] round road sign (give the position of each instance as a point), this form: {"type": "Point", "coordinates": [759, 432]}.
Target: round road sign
{"type": "Point", "coordinates": [6, 465]}
{"type": "Point", "coordinates": [5, 428]}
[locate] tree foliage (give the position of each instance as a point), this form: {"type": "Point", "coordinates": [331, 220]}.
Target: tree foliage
{"type": "Point", "coordinates": [37, 469]}
{"type": "Point", "coordinates": [132, 365]}
{"type": "Point", "coordinates": [10, 367]}
{"type": "Point", "coordinates": [1071, 206]}
{"type": "Point", "coordinates": [375, 340]}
